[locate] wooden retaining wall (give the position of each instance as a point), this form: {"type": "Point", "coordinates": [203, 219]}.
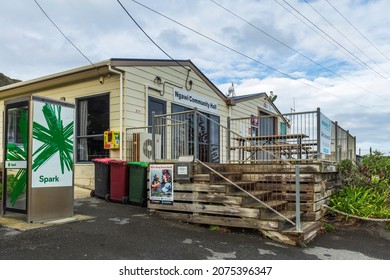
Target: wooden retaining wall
{"type": "Point", "coordinates": [210, 200]}
{"type": "Point", "coordinates": [210, 204]}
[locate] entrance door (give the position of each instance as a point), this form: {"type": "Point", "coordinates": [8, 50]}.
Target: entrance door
{"type": "Point", "coordinates": [266, 128]}
{"type": "Point", "coordinates": [159, 108]}
{"type": "Point", "coordinates": [15, 158]}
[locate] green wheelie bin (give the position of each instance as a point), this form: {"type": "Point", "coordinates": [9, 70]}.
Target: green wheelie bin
{"type": "Point", "coordinates": [137, 183]}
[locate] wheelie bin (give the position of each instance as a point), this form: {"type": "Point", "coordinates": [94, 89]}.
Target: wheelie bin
{"type": "Point", "coordinates": [102, 178]}
{"type": "Point", "coordinates": [119, 180]}
{"type": "Point", "coordinates": [137, 183]}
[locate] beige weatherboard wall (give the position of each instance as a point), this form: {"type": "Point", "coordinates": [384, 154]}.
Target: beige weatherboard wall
{"type": "Point", "coordinates": [130, 83]}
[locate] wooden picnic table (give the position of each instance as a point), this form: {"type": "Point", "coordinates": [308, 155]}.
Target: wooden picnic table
{"type": "Point", "coordinates": [272, 142]}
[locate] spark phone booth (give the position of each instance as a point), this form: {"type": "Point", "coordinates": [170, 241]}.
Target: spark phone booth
{"type": "Point", "coordinates": [38, 158]}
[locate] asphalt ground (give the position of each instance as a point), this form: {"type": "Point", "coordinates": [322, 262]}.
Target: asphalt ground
{"type": "Point", "coordinates": [102, 230]}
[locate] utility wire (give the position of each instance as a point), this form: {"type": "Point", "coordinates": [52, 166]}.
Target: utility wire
{"type": "Point", "coordinates": [250, 58]}
{"type": "Point", "coordinates": [213, 40]}
{"type": "Point", "coordinates": [147, 35]}
{"type": "Point", "coordinates": [314, 30]}
{"type": "Point", "coordinates": [297, 52]}
{"type": "Point", "coordinates": [62, 33]}
{"type": "Point", "coordinates": [346, 37]}
{"type": "Point", "coordinates": [326, 34]}
{"type": "Point", "coordinates": [368, 40]}
{"type": "Point", "coordinates": [321, 35]}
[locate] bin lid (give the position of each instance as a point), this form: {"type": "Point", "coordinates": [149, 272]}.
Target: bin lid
{"type": "Point", "coordinates": [102, 160]}
{"type": "Point", "coordinates": [117, 162]}
{"type": "Point", "coordinates": [138, 163]}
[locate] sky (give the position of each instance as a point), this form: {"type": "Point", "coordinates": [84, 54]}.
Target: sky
{"type": "Point", "coordinates": [331, 54]}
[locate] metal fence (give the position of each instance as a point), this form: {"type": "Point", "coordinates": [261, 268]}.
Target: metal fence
{"type": "Point", "coordinates": [305, 135]}
{"type": "Point", "coordinates": [293, 136]}
{"type": "Point", "coordinates": [258, 155]}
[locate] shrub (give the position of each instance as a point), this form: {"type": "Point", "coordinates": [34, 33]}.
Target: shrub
{"type": "Point", "coordinates": [366, 189]}
{"type": "Point", "coordinates": [329, 227]}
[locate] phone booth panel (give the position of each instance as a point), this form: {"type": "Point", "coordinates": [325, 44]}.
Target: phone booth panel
{"type": "Point", "coordinates": [39, 153]}
{"type": "Point", "coordinates": [15, 156]}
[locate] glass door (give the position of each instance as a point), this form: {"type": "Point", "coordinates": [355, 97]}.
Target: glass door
{"type": "Point", "coordinates": [159, 108]}
{"type": "Point", "coordinates": [16, 154]}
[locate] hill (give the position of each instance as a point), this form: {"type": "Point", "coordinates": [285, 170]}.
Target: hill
{"type": "Point", "coordinates": [4, 80]}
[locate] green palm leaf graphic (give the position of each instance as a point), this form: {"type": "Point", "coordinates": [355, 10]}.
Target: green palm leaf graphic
{"type": "Point", "coordinates": [55, 139]}
{"type": "Point", "coordinates": [19, 183]}
{"type": "Point", "coordinates": [14, 152]}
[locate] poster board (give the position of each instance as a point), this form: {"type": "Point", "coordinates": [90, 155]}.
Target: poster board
{"type": "Point", "coordinates": [52, 145]}
{"type": "Point", "coordinates": [325, 134]}
{"type": "Point", "coordinates": [51, 188]}
{"type": "Point", "coordinates": [161, 183]}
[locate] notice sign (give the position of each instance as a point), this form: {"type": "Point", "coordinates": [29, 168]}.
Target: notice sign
{"type": "Point", "coordinates": [326, 135]}
{"type": "Point", "coordinates": [161, 183]}
{"type": "Point", "coordinates": [190, 99]}
{"type": "Point", "coordinates": [52, 148]}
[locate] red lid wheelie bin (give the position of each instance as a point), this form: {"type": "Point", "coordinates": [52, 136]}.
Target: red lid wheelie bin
{"type": "Point", "coordinates": [102, 178]}
{"type": "Point", "coordinates": [119, 181]}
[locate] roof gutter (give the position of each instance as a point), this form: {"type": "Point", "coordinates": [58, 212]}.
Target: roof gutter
{"type": "Point", "coordinates": [120, 107]}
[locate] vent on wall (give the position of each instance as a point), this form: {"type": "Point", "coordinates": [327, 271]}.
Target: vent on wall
{"type": "Point", "coordinates": [143, 148]}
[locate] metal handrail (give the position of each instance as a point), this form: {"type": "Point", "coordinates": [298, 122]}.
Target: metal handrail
{"type": "Point", "coordinates": [246, 192]}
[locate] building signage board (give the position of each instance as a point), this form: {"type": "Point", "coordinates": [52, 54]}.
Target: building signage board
{"type": "Point", "coordinates": [161, 183]}
{"type": "Point", "coordinates": [52, 146]}
{"type": "Point", "coordinates": [193, 100]}
{"type": "Point", "coordinates": [326, 135]}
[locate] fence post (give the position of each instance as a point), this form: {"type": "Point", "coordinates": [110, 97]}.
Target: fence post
{"type": "Point", "coordinates": [196, 132]}
{"type": "Point", "coordinates": [348, 152]}
{"type": "Point", "coordinates": [153, 136]}
{"type": "Point", "coordinates": [318, 133]}
{"type": "Point", "coordinates": [298, 198]}
{"type": "Point", "coordinates": [336, 141]}
{"type": "Point", "coordinates": [228, 140]}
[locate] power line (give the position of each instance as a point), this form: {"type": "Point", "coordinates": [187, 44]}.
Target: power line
{"type": "Point", "coordinates": [327, 35]}
{"type": "Point", "coordinates": [147, 35]}
{"type": "Point", "coordinates": [250, 58]}
{"type": "Point", "coordinates": [368, 40]}
{"type": "Point", "coordinates": [292, 49]}
{"type": "Point", "coordinates": [315, 31]}
{"type": "Point", "coordinates": [345, 37]}
{"type": "Point", "coordinates": [62, 33]}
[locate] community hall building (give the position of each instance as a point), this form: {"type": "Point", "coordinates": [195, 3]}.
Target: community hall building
{"type": "Point", "coordinates": [118, 94]}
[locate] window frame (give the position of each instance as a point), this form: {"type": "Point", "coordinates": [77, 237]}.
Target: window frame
{"type": "Point", "coordinates": [77, 134]}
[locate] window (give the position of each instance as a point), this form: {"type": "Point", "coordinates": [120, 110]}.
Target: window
{"type": "Point", "coordinates": [93, 118]}
{"type": "Point", "coordinates": [14, 131]}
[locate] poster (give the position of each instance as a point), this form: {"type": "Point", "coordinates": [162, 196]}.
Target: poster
{"type": "Point", "coordinates": [326, 133]}
{"type": "Point", "coordinates": [161, 183]}
{"type": "Point", "coordinates": [52, 148]}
